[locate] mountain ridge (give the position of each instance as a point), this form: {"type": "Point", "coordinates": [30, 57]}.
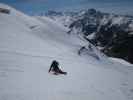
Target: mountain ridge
{"type": "Point", "coordinates": [104, 30]}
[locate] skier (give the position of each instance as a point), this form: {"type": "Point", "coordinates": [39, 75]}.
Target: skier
{"type": "Point", "coordinates": [55, 69]}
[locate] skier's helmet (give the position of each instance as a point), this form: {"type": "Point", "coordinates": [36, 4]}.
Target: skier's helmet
{"type": "Point", "coordinates": [56, 62]}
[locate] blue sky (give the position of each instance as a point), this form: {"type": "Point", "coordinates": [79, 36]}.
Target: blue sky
{"type": "Point", "coordinates": [37, 6]}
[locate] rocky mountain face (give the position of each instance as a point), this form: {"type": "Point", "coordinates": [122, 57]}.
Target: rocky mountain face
{"type": "Point", "coordinates": [112, 33]}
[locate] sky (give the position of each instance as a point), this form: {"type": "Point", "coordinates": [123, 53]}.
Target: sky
{"type": "Point", "coordinates": [40, 6]}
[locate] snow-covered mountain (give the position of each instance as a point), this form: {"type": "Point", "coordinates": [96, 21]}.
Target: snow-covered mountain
{"type": "Point", "coordinates": [28, 45]}
{"type": "Point", "coordinates": [65, 18]}
{"type": "Point", "coordinates": [111, 32]}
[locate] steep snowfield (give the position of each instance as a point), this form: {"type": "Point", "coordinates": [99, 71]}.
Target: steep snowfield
{"type": "Point", "coordinates": [28, 46]}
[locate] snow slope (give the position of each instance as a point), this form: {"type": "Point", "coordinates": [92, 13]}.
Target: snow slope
{"type": "Point", "coordinates": [28, 46]}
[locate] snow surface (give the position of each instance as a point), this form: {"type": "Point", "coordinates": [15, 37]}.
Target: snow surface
{"type": "Point", "coordinates": [121, 61]}
{"type": "Point", "coordinates": [27, 47]}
